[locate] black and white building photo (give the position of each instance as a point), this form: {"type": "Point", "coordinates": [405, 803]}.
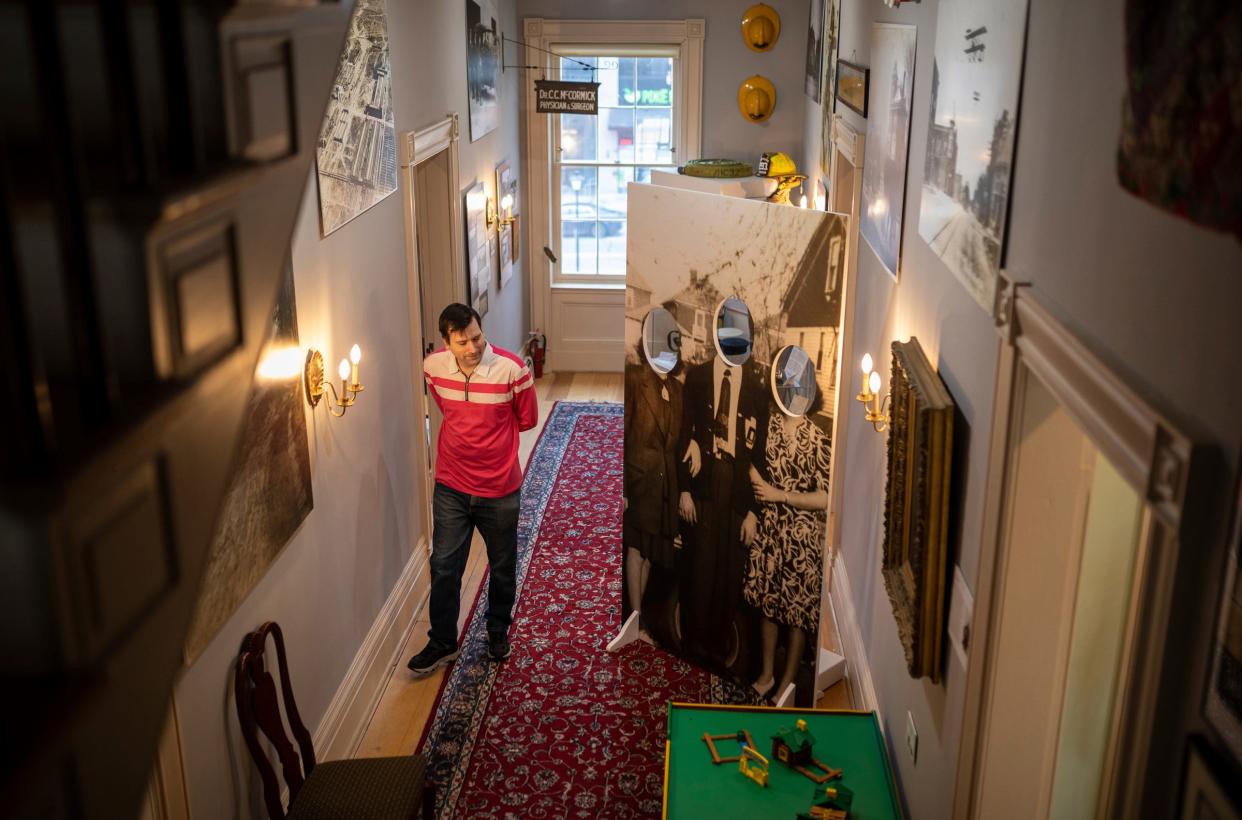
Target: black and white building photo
{"type": "Point", "coordinates": [482, 66]}
{"type": "Point", "coordinates": [970, 136]}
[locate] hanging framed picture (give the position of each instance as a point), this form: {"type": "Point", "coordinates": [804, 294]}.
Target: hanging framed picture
{"type": "Point", "coordinates": [482, 66]}
{"type": "Point", "coordinates": [815, 49]}
{"type": "Point", "coordinates": [1223, 702]}
{"type": "Point", "coordinates": [356, 161]}
{"type": "Point", "coordinates": [832, 40]}
{"type": "Point", "coordinates": [506, 210]}
{"type": "Point", "coordinates": [970, 138]}
{"type": "Point", "coordinates": [888, 141]}
{"type": "Point", "coordinates": [478, 248]}
{"type": "Point", "coordinates": [1205, 795]}
{"type": "Point", "coordinates": [853, 81]}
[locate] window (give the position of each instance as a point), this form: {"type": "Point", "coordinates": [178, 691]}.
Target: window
{"type": "Point", "coordinates": [595, 157]}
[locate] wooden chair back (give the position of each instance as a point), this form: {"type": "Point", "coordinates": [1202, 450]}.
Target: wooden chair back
{"type": "Point", "coordinates": [258, 709]}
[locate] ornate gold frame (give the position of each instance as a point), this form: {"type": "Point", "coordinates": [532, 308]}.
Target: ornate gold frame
{"type": "Point", "coordinates": [916, 514]}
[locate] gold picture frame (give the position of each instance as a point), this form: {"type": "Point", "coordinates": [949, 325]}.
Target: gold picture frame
{"type": "Point", "coordinates": [916, 515]}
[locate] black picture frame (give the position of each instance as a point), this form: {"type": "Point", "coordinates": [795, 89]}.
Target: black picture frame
{"type": "Point", "coordinates": [853, 93]}
{"type": "Point", "coordinates": [1209, 792]}
{"type": "Point", "coordinates": [1222, 704]}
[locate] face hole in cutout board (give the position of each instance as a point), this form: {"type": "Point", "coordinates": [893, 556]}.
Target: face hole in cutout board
{"type": "Point", "coordinates": [793, 381]}
{"type": "Point", "coordinates": [733, 331]}
{"type": "Point", "coordinates": [661, 340]}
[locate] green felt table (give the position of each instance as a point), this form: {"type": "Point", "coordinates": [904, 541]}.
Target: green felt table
{"type": "Point", "coordinates": [695, 788]}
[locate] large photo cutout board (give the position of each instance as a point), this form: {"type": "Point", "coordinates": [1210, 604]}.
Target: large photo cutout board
{"type": "Point", "coordinates": [732, 323]}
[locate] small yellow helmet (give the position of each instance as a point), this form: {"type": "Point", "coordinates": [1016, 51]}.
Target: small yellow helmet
{"type": "Point", "coordinates": [776, 164]}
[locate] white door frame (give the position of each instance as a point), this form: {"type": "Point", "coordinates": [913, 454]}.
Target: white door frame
{"type": "Point", "coordinates": [1154, 457]}
{"type": "Point", "coordinates": [540, 34]}
{"type": "Point", "coordinates": [416, 148]}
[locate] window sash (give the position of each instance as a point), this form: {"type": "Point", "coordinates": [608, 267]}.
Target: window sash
{"type": "Point", "coordinates": [560, 276]}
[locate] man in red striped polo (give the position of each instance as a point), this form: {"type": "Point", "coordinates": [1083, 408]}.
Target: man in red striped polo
{"type": "Point", "coordinates": [486, 396]}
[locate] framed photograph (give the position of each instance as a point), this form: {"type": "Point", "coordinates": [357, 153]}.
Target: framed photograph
{"type": "Point", "coordinates": [482, 66]}
{"type": "Point", "coordinates": [888, 142]}
{"type": "Point", "coordinates": [1204, 795]}
{"type": "Point", "coordinates": [916, 511]}
{"type": "Point", "coordinates": [1223, 703]}
{"type": "Point", "coordinates": [478, 248]}
{"type": "Point", "coordinates": [970, 138]}
{"type": "Point", "coordinates": [815, 50]}
{"type": "Point", "coordinates": [356, 160]}
{"type": "Point", "coordinates": [853, 81]}
{"type": "Point", "coordinates": [832, 41]}
{"type": "Point", "coordinates": [506, 233]}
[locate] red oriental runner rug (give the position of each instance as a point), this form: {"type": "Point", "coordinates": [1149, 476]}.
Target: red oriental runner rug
{"type": "Point", "coordinates": [563, 728]}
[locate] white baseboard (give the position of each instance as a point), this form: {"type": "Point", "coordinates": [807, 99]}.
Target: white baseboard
{"type": "Point", "coordinates": [857, 668]}
{"type": "Point", "coordinates": [355, 701]}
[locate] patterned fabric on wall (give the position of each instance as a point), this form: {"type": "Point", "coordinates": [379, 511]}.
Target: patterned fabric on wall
{"type": "Point", "coordinates": [1181, 132]}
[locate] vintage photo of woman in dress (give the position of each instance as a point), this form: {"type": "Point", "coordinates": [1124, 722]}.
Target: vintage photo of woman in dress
{"type": "Point", "coordinates": [786, 559]}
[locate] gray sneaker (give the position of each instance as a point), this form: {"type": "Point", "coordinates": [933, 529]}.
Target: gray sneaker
{"type": "Point", "coordinates": [431, 658]}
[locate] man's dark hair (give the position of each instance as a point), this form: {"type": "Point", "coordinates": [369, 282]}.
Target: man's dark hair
{"type": "Point", "coordinates": [457, 317]}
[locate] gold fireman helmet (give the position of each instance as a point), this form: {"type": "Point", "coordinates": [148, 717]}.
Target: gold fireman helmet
{"type": "Point", "coordinates": [756, 98]}
{"type": "Point", "coordinates": [761, 27]}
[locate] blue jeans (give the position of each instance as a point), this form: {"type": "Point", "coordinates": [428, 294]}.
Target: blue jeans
{"type": "Point", "coordinates": [455, 516]}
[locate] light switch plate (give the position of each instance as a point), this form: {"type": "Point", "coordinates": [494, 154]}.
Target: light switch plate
{"type": "Point", "coordinates": [912, 738]}
{"type": "Point", "coordinates": [961, 611]}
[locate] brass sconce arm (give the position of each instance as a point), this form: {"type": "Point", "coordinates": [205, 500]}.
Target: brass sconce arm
{"type": "Point", "coordinates": [878, 412]}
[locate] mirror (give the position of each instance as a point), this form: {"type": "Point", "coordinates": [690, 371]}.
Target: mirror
{"type": "Point", "coordinates": [733, 331]}
{"type": "Point", "coordinates": [661, 340]}
{"type": "Point", "coordinates": [793, 381]}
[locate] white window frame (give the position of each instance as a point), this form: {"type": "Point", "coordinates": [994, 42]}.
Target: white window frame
{"type": "Point", "coordinates": [559, 277]}
{"type": "Point", "coordinates": [540, 33]}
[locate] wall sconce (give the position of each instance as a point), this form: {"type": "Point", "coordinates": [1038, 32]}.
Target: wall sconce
{"type": "Point", "coordinates": [506, 210]}
{"type": "Point", "coordinates": [350, 386]}
{"type": "Point", "coordinates": [877, 408]}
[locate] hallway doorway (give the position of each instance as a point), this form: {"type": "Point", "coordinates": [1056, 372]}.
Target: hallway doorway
{"type": "Point", "coordinates": [435, 264]}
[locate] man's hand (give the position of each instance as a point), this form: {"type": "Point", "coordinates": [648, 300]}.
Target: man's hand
{"type": "Point", "coordinates": [677, 541]}
{"type": "Point", "coordinates": [694, 458]}
{"type": "Point", "coordinates": [686, 507]}
{"type": "Point", "coordinates": [749, 525]}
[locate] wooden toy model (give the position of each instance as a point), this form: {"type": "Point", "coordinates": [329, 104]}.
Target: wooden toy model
{"type": "Point", "coordinates": [818, 813]}
{"type": "Point", "coordinates": [743, 738]}
{"type": "Point", "coordinates": [793, 747]}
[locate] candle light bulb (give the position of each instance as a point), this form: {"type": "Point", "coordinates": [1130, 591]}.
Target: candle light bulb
{"type": "Point", "coordinates": [344, 369]}
{"type": "Point", "coordinates": [803, 203]}
{"type": "Point", "coordinates": [506, 204]}
{"type": "Point", "coordinates": [866, 364]}
{"type": "Point", "coordinates": [874, 381]}
{"type": "Point", "coordinates": [355, 354]}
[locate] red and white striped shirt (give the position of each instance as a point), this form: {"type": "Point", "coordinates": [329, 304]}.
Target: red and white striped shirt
{"type": "Point", "coordinates": [483, 413]}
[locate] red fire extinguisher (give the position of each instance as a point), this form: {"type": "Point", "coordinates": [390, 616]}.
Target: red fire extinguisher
{"type": "Point", "coordinates": [538, 349]}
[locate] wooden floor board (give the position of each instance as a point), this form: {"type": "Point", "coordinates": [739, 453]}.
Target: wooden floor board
{"type": "Point", "coordinates": [405, 706]}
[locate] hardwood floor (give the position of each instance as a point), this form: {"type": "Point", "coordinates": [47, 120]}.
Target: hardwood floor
{"type": "Point", "coordinates": [407, 702]}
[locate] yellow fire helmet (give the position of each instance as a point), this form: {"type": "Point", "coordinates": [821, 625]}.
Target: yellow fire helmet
{"type": "Point", "coordinates": [775, 164]}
